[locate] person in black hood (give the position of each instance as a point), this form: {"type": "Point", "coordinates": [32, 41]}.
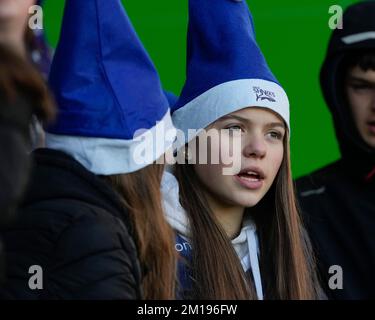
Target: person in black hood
{"type": "Point", "coordinates": [338, 201]}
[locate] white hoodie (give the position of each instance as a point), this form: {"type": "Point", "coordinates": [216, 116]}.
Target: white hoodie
{"type": "Point", "coordinates": [245, 244]}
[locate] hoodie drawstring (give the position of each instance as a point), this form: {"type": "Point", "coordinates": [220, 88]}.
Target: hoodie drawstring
{"type": "Point", "coordinates": [254, 262]}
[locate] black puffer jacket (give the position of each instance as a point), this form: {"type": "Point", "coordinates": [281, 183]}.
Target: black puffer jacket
{"type": "Point", "coordinates": [14, 161]}
{"type": "Point", "coordinates": [74, 227]}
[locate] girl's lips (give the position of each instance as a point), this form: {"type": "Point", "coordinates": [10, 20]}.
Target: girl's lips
{"type": "Point", "coordinates": [250, 183]}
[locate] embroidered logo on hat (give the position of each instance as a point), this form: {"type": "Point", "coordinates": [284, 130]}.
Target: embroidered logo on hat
{"type": "Point", "coordinates": [264, 94]}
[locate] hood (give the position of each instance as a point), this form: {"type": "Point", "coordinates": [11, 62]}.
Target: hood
{"type": "Point", "coordinates": [357, 34]}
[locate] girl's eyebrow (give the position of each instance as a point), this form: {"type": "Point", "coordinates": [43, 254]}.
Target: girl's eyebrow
{"type": "Point", "coordinates": [268, 125]}
{"type": "Point", "coordinates": [231, 117]}
{"type": "Point", "coordinates": [275, 124]}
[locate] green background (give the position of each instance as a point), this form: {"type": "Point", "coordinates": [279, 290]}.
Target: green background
{"type": "Point", "coordinates": [293, 36]}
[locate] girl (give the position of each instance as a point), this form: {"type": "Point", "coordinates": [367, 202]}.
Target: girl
{"type": "Point", "coordinates": [16, 34]}
{"type": "Point", "coordinates": [22, 92]}
{"type": "Point", "coordinates": [90, 223]}
{"type": "Point", "coordinates": [239, 235]}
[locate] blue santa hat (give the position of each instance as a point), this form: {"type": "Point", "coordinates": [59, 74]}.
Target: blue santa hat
{"type": "Point", "coordinates": [171, 97]}
{"type": "Point", "coordinates": [108, 92]}
{"type": "Point", "coordinates": [226, 70]}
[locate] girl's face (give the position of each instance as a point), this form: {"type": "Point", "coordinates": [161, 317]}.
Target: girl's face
{"type": "Point", "coordinates": [261, 133]}
{"type": "Point", "coordinates": [15, 11]}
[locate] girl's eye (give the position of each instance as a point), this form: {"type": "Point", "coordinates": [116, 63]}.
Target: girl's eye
{"type": "Point", "coordinates": [275, 135]}
{"type": "Point", "coordinates": [234, 128]}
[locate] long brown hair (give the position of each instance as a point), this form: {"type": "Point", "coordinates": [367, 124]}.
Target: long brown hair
{"type": "Point", "coordinates": [286, 259]}
{"type": "Point", "coordinates": [141, 196]}
{"type": "Point", "coordinates": [19, 78]}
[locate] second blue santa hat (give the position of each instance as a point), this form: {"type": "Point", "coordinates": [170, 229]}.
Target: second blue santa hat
{"type": "Point", "coordinates": [107, 90]}
{"type": "Point", "coordinates": [226, 70]}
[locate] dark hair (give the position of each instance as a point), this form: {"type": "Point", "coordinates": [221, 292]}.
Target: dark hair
{"type": "Point", "coordinates": [365, 59]}
{"type": "Point", "coordinates": [19, 79]}
{"type": "Point", "coordinates": [286, 258]}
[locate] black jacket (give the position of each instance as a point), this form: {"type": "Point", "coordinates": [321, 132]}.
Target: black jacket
{"type": "Point", "coordinates": [338, 201]}
{"type": "Point", "coordinates": [339, 213]}
{"type": "Point", "coordinates": [14, 161]}
{"type": "Point", "coordinates": [74, 227]}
